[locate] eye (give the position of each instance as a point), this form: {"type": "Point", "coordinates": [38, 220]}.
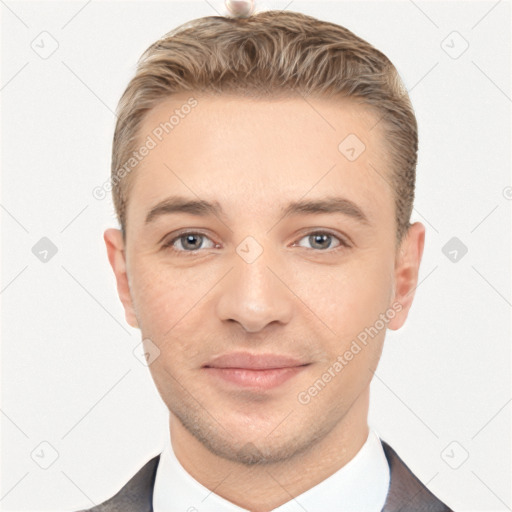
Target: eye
{"type": "Point", "coordinates": [189, 242]}
{"type": "Point", "coordinates": [323, 240]}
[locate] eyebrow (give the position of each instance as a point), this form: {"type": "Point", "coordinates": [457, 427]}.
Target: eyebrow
{"type": "Point", "coordinates": [177, 204]}
{"type": "Point", "coordinates": [201, 208]}
{"type": "Point", "coordinates": [327, 205]}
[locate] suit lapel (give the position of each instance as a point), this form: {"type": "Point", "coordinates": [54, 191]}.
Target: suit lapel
{"type": "Point", "coordinates": [136, 495]}
{"type": "Point", "coordinates": [406, 492]}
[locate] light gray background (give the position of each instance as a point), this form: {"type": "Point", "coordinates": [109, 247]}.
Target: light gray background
{"type": "Point", "coordinates": [69, 377]}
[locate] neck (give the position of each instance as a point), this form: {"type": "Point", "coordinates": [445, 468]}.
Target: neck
{"type": "Point", "coordinates": [261, 488]}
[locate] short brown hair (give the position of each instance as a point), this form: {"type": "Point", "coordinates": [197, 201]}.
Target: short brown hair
{"type": "Point", "coordinates": [269, 54]}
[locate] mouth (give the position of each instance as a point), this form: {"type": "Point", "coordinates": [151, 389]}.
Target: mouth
{"type": "Point", "coordinates": [259, 371]}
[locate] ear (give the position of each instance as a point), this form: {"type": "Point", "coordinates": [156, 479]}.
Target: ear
{"type": "Point", "coordinates": [116, 256]}
{"type": "Point", "coordinates": [407, 265]}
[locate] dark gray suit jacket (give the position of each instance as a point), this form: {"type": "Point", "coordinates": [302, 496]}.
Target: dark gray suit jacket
{"type": "Point", "coordinates": [406, 493]}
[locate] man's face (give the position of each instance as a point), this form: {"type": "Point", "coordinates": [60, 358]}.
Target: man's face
{"type": "Point", "coordinates": [253, 281]}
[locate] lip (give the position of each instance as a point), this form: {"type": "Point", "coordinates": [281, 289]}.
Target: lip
{"type": "Point", "coordinates": [260, 371]}
{"type": "Point", "coordinates": [249, 361]}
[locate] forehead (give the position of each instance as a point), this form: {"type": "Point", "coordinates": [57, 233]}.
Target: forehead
{"type": "Point", "coordinates": [259, 153]}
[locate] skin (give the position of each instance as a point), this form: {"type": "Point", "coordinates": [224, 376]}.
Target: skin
{"type": "Point", "coordinates": [260, 448]}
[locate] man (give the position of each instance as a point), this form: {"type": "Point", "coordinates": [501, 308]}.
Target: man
{"type": "Point", "coordinates": [263, 175]}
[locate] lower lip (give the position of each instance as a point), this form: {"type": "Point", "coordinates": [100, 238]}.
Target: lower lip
{"type": "Point", "coordinates": [262, 379]}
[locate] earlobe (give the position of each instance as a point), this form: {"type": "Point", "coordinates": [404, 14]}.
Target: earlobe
{"type": "Point", "coordinates": [116, 256]}
{"type": "Point", "coordinates": [407, 267]}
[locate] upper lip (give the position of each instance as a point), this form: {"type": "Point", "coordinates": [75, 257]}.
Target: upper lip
{"type": "Point", "coordinates": [253, 361]}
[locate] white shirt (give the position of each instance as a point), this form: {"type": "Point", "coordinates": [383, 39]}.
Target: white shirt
{"type": "Point", "coordinates": [361, 485]}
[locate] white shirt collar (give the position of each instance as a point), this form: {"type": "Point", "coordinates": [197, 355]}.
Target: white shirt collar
{"type": "Point", "coordinates": [362, 484]}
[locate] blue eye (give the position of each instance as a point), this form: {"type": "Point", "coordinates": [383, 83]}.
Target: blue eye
{"type": "Point", "coordinates": [190, 243]}
{"type": "Point", "coordinates": [322, 240]}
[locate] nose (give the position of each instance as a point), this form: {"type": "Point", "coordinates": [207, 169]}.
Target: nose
{"type": "Point", "coordinates": [253, 296]}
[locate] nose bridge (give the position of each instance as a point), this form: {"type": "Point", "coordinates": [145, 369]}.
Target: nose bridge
{"type": "Point", "coordinates": [253, 296]}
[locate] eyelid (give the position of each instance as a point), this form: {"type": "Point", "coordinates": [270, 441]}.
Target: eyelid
{"type": "Point", "coordinates": [343, 239]}
{"type": "Point", "coordinates": [176, 234]}
{"type": "Point", "coordinates": [179, 234]}
{"type": "Point", "coordinates": [343, 242]}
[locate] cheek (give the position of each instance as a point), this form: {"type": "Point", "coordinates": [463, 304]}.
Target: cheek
{"type": "Point", "coordinates": [161, 297]}
{"type": "Point", "coordinates": [155, 300]}
{"type": "Point", "coordinates": [350, 301]}
{"type": "Point", "coordinates": [170, 305]}
{"type": "Point", "coordinates": [348, 297]}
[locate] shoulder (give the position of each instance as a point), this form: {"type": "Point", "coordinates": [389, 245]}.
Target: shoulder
{"type": "Point", "coordinates": [406, 492]}
{"type": "Point", "coordinates": [136, 495]}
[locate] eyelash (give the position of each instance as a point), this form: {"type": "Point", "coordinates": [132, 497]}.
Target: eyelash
{"type": "Point", "coordinates": [180, 253]}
